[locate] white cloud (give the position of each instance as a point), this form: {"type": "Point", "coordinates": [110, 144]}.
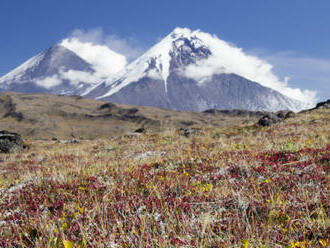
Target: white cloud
{"type": "Point", "coordinates": [75, 77]}
{"type": "Point", "coordinates": [93, 47]}
{"type": "Point", "coordinates": [104, 61]}
{"type": "Point", "coordinates": [49, 82]}
{"type": "Point", "coordinates": [303, 71]}
{"type": "Point", "coordinates": [227, 58]}
{"type": "Point", "coordinates": [129, 47]}
{"type": "Point", "coordinates": [105, 53]}
{"type": "Point", "coordinates": [94, 35]}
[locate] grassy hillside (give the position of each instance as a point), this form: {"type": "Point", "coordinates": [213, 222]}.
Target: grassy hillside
{"type": "Point", "coordinates": [41, 116]}
{"type": "Point", "coordinates": [238, 186]}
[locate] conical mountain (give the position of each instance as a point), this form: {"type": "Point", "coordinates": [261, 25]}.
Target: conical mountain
{"type": "Point", "coordinates": [190, 70]}
{"type": "Point", "coordinates": [42, 72]}
{"type": "Point", "coordinates": [62, 70]}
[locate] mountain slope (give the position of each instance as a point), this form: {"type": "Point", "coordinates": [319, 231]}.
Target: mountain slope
{"type": "Point", "coordinates": [41, 73]}
{"type": "Point", "coordinates": [163, 77]}
{"type": "Point", "coordinates": [63, 69]}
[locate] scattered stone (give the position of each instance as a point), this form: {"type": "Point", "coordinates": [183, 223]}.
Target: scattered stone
{"type": "Point", "coordinates": [187, 132]}
{"type": "Point", "coordinates": [71, 141]}
{"type": "Point", "coordinates": [74, 141]}
{"type": "Point", "coordinates": [26, 147]}
{"type": "Point", "coordinates": [132, 135]}
{"type": "Point", "coordinates": [268, 120]}
{"type": "Point", "coordinates": [107, 106]}
{"type": "Point", "coordinates": [281, 114]}
{"type": "Point", "coordinates": [285, 114]}
{"type": "Point", "coordinates": [290, 114]}
{"type": "Point", "coordinates": [140, 130]}
{"type": "Point", "coordinates": [10, 142]}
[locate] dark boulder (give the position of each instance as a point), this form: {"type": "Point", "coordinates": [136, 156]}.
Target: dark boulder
{"type": "Point", "coordinates": [281, 114]}
{"type": "Point", "coordinates": [285, 114]}
{"type": "Point", "coordinates": [10, 142]}
{"type": "Point", "coordinates": [289, 114]}
{"type": "Point", "coordinates": [269, 119]}
{"type": "Point", "coordinates": [140, 130]}
{"type": "Point", "coordinates": [107, 106]}
{"type": "Point", "coordinates": [187, 132]}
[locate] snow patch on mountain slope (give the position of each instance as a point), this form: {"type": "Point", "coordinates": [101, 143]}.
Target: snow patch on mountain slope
{"type": "Point", "coordinates": [155, 63]}
{"type": "Point", "coordinates": [18, 73]}
{"type": "Point", "coordinates": [159, 55]}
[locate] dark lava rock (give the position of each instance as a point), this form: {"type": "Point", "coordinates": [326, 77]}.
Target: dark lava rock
{"type": "Point", "coordinates": [236, 112]}
{"type": "Point", "coordinates": [269, 119]}
{"type": "Point", "coordinates": [10, 142]}
{"type": "Point", "coordinates": [140, 130]}
{"type": "Point", "coordinates": [187, 132]}
{"type": "Point", "coordinates": [107, 106]}
{"type": "Point", "coordinates": [289, 114]}
{"type": "Point", "coordinates": [281, 114]}
{"type": "Point", "coordinates": [285, 114]}
{"type": "Point", "coordinates": [322, 105]}
{"type": "Point", "coordinates": [16, 115]}
{"type": "Point", "coordinates": [74, 141]}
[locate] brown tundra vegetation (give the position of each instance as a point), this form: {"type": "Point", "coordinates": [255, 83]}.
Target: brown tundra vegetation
{"type": "Point", "coordinates": [239, 186]}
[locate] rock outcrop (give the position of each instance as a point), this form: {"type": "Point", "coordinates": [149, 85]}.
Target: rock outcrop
{"type": "Point", "coordinates": [273, 118]}
{"type": "Point", "coordinates": [323, 105]}
{"type": "Point", "coordinates": [10, 142]}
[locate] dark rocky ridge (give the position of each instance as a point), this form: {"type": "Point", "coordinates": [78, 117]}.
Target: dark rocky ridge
{"type": "Point", "coordinates": [321, 105]}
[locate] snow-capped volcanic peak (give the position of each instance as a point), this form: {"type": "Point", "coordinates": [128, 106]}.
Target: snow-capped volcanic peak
{"type": "Point", "coordinates": [199, 56]}
{"type": "Point", "coordinates": [180, 48]}
{"type": "Point", "coordinates": [46, 66]}
{"type": "Point", "coordinates": [18, 72]}
{"type": "Point", "coordinates": [71, 67]}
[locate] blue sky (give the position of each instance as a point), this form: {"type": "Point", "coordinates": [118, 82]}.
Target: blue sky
{"type": "Point", "coordinates": [292, 35]}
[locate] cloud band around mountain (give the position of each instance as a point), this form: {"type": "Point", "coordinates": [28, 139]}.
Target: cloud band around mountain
{"type": "Point", "coordinates": [104, 54]}
{"type": "Point", "coordinates": [227, 58]}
